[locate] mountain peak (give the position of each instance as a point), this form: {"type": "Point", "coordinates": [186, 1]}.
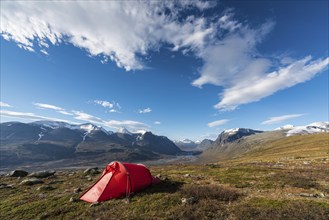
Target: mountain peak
{"type": "Point", "coordinates": [123, 130]}
{"type": "Point", "coordinates": [234, 134]}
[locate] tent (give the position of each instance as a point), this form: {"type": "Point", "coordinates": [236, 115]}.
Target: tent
{"type": "Point", "coordinates": [119, 179]}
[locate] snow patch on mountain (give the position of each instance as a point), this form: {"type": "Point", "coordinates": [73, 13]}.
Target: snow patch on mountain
{"type": "Point", "coordinates": [231, 131]}
{"type": "Point", "coordinates": [53, 124]}
{"type": "Point", "coordinates": [123, 131]}
{"type": "Point", "coordinates": [316, 127]}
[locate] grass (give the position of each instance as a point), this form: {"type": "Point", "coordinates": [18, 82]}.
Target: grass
{"type": "Point", "coordinates": [249, 187]}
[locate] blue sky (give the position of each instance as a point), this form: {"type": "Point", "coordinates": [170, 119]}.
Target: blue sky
{"type": "Point", "coordinates": [184, 69]}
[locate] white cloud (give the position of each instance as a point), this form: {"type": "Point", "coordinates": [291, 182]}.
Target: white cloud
{"type": "Point", "coordinates": [105, 104]}
{"type": "Point", "coordinates": [3, 104]}
{"type": "Point", "coordinates": [129, 124]}
{"type": "Point", "coordinates": [143, 111]}
{"type": "Point", "coordinates": [234, 64]}
{"type": "Point", "coordinates": [217, 123]}
{"type": "Point", "coordinates": [263, 86]}
{"type": "Point", "coordinates": [87, 117]}
{"type": "Point", "coordinates": [48, 106]}
{"type": "Point", "coordinates": [126, 31]}
{"type": "Point", "coordinates": [282, 118]}
{"type": "Point", "coordinates": [157, 122]}
{"type": "Point", "coordinates": [65, 112]}
{"type": "Point", "coordinates": [120, 31]}
{"type": "Point", "coordinates": [27, 115]}
{"type": "Point", "coordinates": [113, 106]}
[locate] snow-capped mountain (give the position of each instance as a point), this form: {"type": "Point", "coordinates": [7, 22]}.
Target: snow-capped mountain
{"type": "Point", "coordinates": [234, 134]}
{"type": "Point", "coordinates": [48, 140]}
{"type": "Point", "coordinates": [186, 144]}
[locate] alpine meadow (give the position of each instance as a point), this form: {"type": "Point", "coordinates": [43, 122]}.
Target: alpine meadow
{"type": "Point", "coordinates": [174, 109]}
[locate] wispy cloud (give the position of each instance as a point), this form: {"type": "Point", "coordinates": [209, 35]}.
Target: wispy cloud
{"type": "Point", "coordinates": [157, 122]}
{"type": "Point", "coordinates": [129, 124]}
{"type": "Point", "coordinates": [105, 104]}
{"type": "Point", "coordinates": [218, 123]}
{"type": "Point", "coordinates": [113, 106]}
{"type": "Point", "coordinates": [143, 111]}
{"type": "Point", "coordinates": [65, 112]}
{"type": "Point", "coordinates": [3, 104]}
{"type": "Point", "coordinates": [52, 107]}
{"type": "Point", "coordinates": [27, 116]}
{"type": "Point", "coordinates": [139, 27]}
{"type": "Point", "coordinates": [263, 86]}
{"type": "Point", "coordinates": [48, 106]}
{"type": "Point", "coordinates": [282, 118]}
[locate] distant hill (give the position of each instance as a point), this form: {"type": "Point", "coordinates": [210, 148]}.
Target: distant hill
{"type": "Point", "coordinates": [44, 141]}
{"type": "Point", "coordinates": [269, 144]}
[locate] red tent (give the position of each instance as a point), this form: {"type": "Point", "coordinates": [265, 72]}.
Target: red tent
{"type": "Point", "coordinates": [119, 179]}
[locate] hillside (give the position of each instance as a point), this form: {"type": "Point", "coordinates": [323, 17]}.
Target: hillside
{"type": "Point", "coordinates": [272, 145]}
{"type": "Point", "coordinates": [287, 178]}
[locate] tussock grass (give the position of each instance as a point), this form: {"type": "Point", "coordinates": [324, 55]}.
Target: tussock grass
{"type": "Point", "coordinates": [213, 192]}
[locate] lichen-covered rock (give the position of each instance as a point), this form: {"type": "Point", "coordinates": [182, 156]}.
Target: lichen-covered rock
{"type": "Point", "coordinates": [31, 181]}
{"type": "Point", "coordinates": [42, 174]}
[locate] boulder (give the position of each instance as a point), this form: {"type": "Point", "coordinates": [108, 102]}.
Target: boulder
{"type": "Point", "coordinates": [18, 173]}
{"type": "Point", "coordinates": [31, 181]}
{"type": "Point", "coordinates": [91, 171]}
{"type": "Point", "coordinates": [42, 174]}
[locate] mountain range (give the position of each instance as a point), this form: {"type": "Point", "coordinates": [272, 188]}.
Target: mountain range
{"type": "Point", "coordinates": [58, 143]}
{"type": "Point", "coordinates": [24, 143]}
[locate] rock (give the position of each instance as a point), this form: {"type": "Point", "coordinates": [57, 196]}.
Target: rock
{"type": "Point", "coordinates": [56, 181]}
{"type": "Point", "coordinates": [187, 175]}
{"type": "Point", "coordinates": [90, 179]}
{"type": "Point", "coordinates": [190, 200]}
{"type": "Point", "coordinates": [45, 188]}
{"type": "Point", "coordinates": [42, 174]}
{"type": "Point", "coordinates": [31, 181]}
{"type": "Point", "coordinates": [5, 186]}
{"type": "Point", "coordinates": [91, 171]}
{"type": "Point", "coordinates": [94, 204]}
{"type": "Point", "coordinates": [306, 195]}
{"type": "Point", "coordinates": [319, 195]}
{"type": "Point", "coordinates": [73, 199]}
{"type": "Point", "coordinates": [158, 176]}
{"type": "Point", "coordinates": [77, 190]}
{"type": "Point", "coordinates": [18, 173]}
